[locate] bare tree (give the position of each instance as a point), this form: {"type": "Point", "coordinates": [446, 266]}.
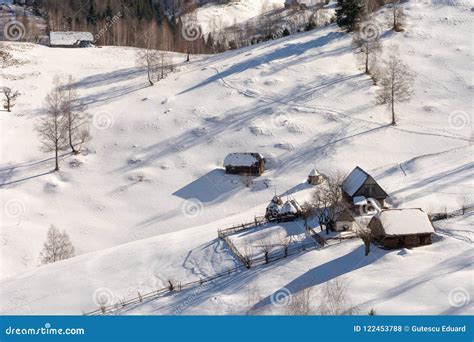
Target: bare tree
{"type": "Point", "coordinates": [10, 98]}
{"type": "Point", "coordinates": [285, 242]}
{"type": "Point", "coordinates": [266, 245]}
{"type": "Point", "coordinates": [52, 128]}
{"type": "Point", "coordinates": [334, 299]}
{"type": "Point", "coordinates": [76, 120]}
{"type": "Point", "coordinates": [327, 200]}
{"type": "Point", "coordinates": [396, 81]}
{"type": "Point", "coordinates": [396, 15]}
{"type": "Point", "coordinates": [300, 304]}
{"type": "Point", "coordinates": [367, 50]}
{"type": "Point", "coordinates": [368, 234]}
{"type": "Point", "coordinates": [165, 64]}
{"type": "Point", "coordinates": [57, 246]}
{"type": "Point", "coordinates": [464, 202]}
{"type": "Point", "coordinates": [148, 58]}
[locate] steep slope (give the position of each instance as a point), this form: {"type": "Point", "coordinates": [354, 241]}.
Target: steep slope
{"type": "Point", "coordinates": [154, 166]}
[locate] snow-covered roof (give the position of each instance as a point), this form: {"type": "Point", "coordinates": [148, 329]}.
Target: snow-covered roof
{"type": "Point", "coordinates": [314, 173]}
{"type": "Point", "coordinates": [360, 200]}
{"type": "Point", "coordinates": [288, 208]}
{"type": "Point", "coordinates": [69, 38]}
{"type": "Point", "coordinates": [242, 159]}
{"type": "Point", "coordinates": [405, 222]}
{"type": "Point", "coordinates": [354, 181]}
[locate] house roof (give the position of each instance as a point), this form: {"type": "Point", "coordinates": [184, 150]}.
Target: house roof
{"type": "Point", "coordinates": [404, 222]}
{"type": "Point", "coordinates": [314, 173]}
{"type": "Point", "coordinates": [69, 38]}
{"type": "Point", "coordinates": [345, 216]}
{"type": "Point", "coordinates": [242, 159]}
{"type": "Point", "coordinates": [355, 180]}
{"type": "Point", "coordinates": [288, 208]}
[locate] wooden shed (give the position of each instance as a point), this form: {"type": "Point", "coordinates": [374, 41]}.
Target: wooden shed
{"type": "Point", "coordinates": [399, 228]}
{"type": "Point", "coordinates": [314, 177]}
{"type": "Point", "coordinates": [360, 184]}
{"type": "Point", "coordinates": [70, 39]}
{"type": "Point", "coordinates": [345, 221]}
{"type": "Point", "coordinates": [244, 164]}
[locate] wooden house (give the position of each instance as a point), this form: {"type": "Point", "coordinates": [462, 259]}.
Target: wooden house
{"type": "Point", "coordinates": [252, 164]}
{"type": "Point", "coordinates": [314, 177]}
{"type": "Point", "coordinates": [344, 221]}
{"type": "Point", "coordinates": [277, 211]}
{"type": "Point", "coordinates": [359, 186]}
{"type": "Point", "coordinates": [399, 228]}
{"type": "Point", "coordinates": [70, 39]}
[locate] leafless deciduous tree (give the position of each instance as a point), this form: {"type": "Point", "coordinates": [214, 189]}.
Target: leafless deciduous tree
{"type": "Point", "coordinates": [301, 303]}
{"type": "Point", "coordinates": [396, 81]}
{"type": "Point", "coordinates": [148, 58]}
{"type": "Point", "coordinates": [368, 234]}
{"type": "Point", "coordinates": [367, 50]}
{"type": "Point", "coordinates": [396, 15]}
{"type": "Point", "coordinates": [334, 299]}
{"type": "Point", "coordinates": [57, 246]}
{"type": "Point", "coordinates": [52, 128]}
{"type": "Point", "coordinates": [76, 120]}
{"type": "Point", "coordinates": [10, 98]}
{"type": "Point", "coordinates": [327, 200]}
{"type": "Point", "coordinates": [265, 244]}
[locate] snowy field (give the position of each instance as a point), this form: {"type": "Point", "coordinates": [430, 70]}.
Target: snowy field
{"type": "Point", "coordinates": [143, 203]}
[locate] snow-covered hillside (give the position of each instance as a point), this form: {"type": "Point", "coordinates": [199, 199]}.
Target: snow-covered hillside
{"type": "Point", "coordinates": [143, 203]}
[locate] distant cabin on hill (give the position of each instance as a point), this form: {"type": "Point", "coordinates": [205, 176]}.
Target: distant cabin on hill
{"type": "Point", "coordinates": [399, 228]}
{"type": "Point", "coordinates": [244, 164]}
{"type": "Point", "coordinates": [70, 39]}
{"type": "Point", "coordinates": [359, 186]}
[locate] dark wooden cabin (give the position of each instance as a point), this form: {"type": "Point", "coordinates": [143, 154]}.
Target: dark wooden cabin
{"type": "Point", "coordinates": [360, 184]}
{"type": "Point", "coordinates": [402, 228]}
{"type": "Point", "coordinates": [252, 164]}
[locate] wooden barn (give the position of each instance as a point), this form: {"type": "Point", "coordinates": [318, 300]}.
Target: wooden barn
{"type": "Point", "coordinates": [70, 39]}
{"type": "Point", "coordinates": [359, 186]}
{"type": "Point", "coordinates": [400, 228]}
{"type": "Point", "coordinates": [244, 164]}
{"type": "Point", "coordinates": [344, 221]}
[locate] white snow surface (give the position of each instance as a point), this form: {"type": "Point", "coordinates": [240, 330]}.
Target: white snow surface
{"type": "Point", "coordinates": [405, 222]}
{"type": "Point", "coordinates": [144, 201]}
